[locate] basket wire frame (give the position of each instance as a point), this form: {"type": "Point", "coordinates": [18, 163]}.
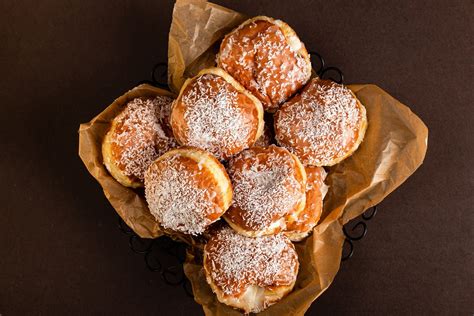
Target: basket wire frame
{"type": "Point", "coordinates": [165, 256]}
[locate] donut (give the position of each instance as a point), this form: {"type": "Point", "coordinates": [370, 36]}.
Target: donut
{"type": "Point", "coordinates": [187, 189]}
{"type": "Point", "coordinates": [135, 139]}
{"type": "Point", "coordinates": [322, 125]}
{"type": "Point", "coordinates": [215, 113]}
{"type": "Point", "coordinates": [269, 183]}
{"type": "Point", "coordinates": [300, 224]}
{"type": "Point", "coordinates": [267, 57]}
{"type": "Point", "coordinates": [249, 273]}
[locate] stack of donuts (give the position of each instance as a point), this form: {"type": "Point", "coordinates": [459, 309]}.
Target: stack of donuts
{"type": "Point", "coordinates": [238, 156]}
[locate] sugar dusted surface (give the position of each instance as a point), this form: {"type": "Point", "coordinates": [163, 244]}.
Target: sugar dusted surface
{"type": "Point", "coordinates": [235, 261]}
{"type": "Point", "coordinates": [321, 124]}
{"type": "Point", "coordinates": [265, 186]}
{"type": "Point", "coordinates": [139, 137]}
{"type": "Point", "coordinates": [258, 55]}
{"type": "Point", "coordinates": [176, 198]}
{"type": "Point", "coordinates": [215, 120]}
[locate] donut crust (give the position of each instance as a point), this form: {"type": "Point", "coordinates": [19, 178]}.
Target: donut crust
{"type": "Point", "coordinates": [151, 137]}
{"type": "Point", "coordinates": [272, 91]}
{"type": "Point", "coordinates": [251, 293]}
{"type": "Point", "coordinates": [216, 135]}
{"type": "Point", "coordinates": [322, 125]}
{"type": "Point", "coordinates": [265, 195]}
{"type": "Point", "coordinates": [300, 224]}
{"type": "Point", "coordinates": [187, 189]}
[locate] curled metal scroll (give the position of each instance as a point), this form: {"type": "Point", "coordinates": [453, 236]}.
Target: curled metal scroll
{"type": "Point", "coordinates": [331, 72]}
{"type": "Point", "coordinates": [166, 256]}
{"type": "Point", "coordinates": [159, 76]}
{"type": "Point", "coordinates": [357, 232]}
{"type": "Point", "coordinates": [159, 72]}
{"type": "Point", "coordinates": [161, 255]}
{"type": "Point", "coordinates": [319, 62]}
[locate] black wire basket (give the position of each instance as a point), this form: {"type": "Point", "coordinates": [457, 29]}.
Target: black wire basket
{"type": "Point", "coordinates": [166, 256]}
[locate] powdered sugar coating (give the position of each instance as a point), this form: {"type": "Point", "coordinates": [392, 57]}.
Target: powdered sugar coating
{"type": "Point", "coordinates": [181, 194]}
{"type": "Point", "coordinates": [259, 56]}
{"type": "Point", "coordinates": [234, 262]}
{"type": "Point", "coordinates": [321, 124]}
{"type": "Point", "coordinates": [138, 138]}
{"type": "Point", "coordinates": [267, 186]}
{"type": "Point", "coordinates": [215, 117]}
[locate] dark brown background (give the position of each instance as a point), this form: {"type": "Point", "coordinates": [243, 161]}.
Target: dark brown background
{"type": "Point", "coordinates": [63, 61]}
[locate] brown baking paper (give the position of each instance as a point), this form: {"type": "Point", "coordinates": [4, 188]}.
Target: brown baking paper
{"type": "Point", "coordinates": [129, 203]}
{"type": "Point", "coordinates": [196, 31]}
{"type": "Point", "coordinates": [394, 147]}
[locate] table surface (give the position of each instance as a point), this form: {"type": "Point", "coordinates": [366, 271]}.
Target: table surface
{"type": "Point", "coordinates": [64, 61]}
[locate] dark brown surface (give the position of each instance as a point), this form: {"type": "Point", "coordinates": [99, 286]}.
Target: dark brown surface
{"type": "Point", "coordinates": [64, 61]}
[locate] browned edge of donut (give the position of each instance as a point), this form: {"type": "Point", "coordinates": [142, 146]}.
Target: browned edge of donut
{"type": "Point", "coordinates": [240, 89]}
{"type": "Point", "coordinates": [280, 224]}
{"type": "Point", "coordinates": [106, 148]}
{"type": "Point", "coordinates": [291, 38]}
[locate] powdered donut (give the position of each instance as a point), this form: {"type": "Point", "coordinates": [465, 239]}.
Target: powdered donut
{"type": "Point", "coordinates": [250, 273]}
{"type": "Point", "coordinates": [187, 189]}
{"type": "Point", "coordinates": [323, 125]}
{"type": "Point", "coordinates": [136, 138]}
{"type": "Point", "coordinates": [215, 113]}
{"type": "Point", "coordinates": [267, 57]}
{"type": "Point", "coordinates": [269, 183]}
